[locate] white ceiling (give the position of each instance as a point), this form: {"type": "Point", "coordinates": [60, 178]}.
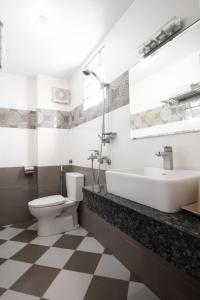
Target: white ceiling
{"type": "Point", "coordinates": [72, 30]}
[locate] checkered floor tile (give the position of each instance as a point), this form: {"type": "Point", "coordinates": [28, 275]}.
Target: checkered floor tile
{"type": "Point", "coordinates": [71, 266]}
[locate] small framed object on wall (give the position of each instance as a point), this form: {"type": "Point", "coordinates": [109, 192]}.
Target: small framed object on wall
{"type": "Point", "coordinates": [60, 95]}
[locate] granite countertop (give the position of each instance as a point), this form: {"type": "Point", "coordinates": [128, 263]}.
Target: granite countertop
{"type": "Point", "coordinates": [175, 237]}
{"type": "Point", "coordinates": [183, 221]}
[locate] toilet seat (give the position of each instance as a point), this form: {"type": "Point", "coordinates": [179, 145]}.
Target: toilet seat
{"type": "Point", "coordinates": [50, 201]}
{"type": "Point", "coordinates": [47, 201]}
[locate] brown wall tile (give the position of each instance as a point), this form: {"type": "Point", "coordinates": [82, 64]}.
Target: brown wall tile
{"type": "Point", "coordinates": [48, 175]}
{"type": "Point", "coordinates": [49, 180]}
{"type": "Point", "coordinates": [14, 177]}
{"type": "Point", "coordinates": [16, 188]}
{"type": "Point", "coordinates": [14, 204]}
{"type": "Point", "coordinates": [48, 190]}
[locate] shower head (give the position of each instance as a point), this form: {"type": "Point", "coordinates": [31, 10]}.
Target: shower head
{"type": "Point", "coordinates": [88, 72]}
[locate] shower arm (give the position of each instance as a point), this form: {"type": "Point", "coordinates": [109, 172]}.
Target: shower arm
{"type": "Point", "coordinates": [88, 72]}
{"type": "Point", "coordinates": [105, 137]}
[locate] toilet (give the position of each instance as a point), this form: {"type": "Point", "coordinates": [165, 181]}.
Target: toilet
{"type": "Point", "coordinates": [56, 214]}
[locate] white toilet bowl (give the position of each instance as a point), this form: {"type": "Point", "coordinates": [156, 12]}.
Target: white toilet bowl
{"type": "Point", "coordinates": [56, 214]}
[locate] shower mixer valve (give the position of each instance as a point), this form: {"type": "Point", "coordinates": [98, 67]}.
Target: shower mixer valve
{"type": "Point", "coordinates": [107, 137]}
{"type": "Point", "coordinates": [104, 159]}
{"type": "Point", "coordinates": [95, 155]}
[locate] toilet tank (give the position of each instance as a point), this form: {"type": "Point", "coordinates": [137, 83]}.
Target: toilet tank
{"type": "Point", "coordinates": [74, 183]}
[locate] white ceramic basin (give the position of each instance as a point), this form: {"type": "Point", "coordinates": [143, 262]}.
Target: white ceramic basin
{"type": "Point", "coordinates": [164, 190]}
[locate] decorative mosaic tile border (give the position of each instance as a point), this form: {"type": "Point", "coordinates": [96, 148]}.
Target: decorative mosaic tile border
{"type": "Point", "coordinates": [166, 114]}
{"type": "Point", "coordinates": [53, 119]}
{"type": "Point", "coordinates": [15, 118]}
{"type": "Point", "coordinates": [118, 96]}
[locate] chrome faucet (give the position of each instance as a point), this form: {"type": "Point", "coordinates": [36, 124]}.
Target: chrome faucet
{"type": "Point", "coordinates": [104, 159]}
{"type": "Point", "coordinates": [167, 156]}
{"type": "Point", "coordinates": [95, 155]}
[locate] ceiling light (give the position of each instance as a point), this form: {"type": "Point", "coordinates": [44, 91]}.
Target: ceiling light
{"type": "Point", "coordinates": [163, 35]}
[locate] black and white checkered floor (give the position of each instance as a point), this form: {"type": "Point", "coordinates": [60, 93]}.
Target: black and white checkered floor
{"type": "Point", "coordinates": [72, 266]}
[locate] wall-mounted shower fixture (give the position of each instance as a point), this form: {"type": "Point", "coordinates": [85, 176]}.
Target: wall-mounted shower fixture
{"type": "Point", "coordinates": [163, 35]}
{"type": "Point", "coordinates": [107, 137]}
{"type": "Point", "coordinates": [1, 44]}
{"type": "Point", "coordinates": [104, 159]}
{"type": "Point", "coordinates": [88, 72]}
{"type": "Point", "coordinates": [95, 155]}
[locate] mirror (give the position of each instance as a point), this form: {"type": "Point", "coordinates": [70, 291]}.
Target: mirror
{"type": "Point", "coordinates": [165, 88]}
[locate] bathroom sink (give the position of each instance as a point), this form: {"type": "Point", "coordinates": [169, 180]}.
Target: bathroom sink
{"type": "Point", "coordinates": [165, 190]}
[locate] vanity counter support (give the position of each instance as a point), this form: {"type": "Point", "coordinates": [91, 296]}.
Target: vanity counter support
{"type": "Point", "coordinates": [168, 243]}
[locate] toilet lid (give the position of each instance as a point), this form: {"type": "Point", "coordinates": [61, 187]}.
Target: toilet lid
{"type": "Point", "coordinates": [47, 201]}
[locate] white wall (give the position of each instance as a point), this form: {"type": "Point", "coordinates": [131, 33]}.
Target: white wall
{"type": "Point", "coordinates": [52, 146]}
{"type": "Point", "coordinates": [55, 146]}
{"type": "Point", "coordinates": [52, 143]}
{"type": "Point", "coordinates": [23, 147]}
{"type": "Point", "coordinates": [140, 21]}
{"type": "Point", "coordinates": [17, 146]}
{"type": "Point", "coordinates": [17, 91]}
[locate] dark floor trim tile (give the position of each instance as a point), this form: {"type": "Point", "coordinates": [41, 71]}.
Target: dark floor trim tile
{"type": "Point", "coordinates": [2, 291]}
{"type": "Point", "coordinates": [36, 280]}
{"type": "Point", "coordinates": [30, 253]}
{"type": "Point", "coordinates": [84, 262]}
{"type": "Point", "coordinates": [25, 236]}
{"type": "Point", "coordinates": [107, 289]}
{"type": "Point", "coordinates": [2, 260]}
{"type": "Point", "coordinates": [69, 242]}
